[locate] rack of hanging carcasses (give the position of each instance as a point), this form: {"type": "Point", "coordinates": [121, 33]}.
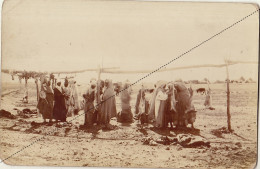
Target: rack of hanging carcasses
{"type": "Point", "coordinates": [115, 70]}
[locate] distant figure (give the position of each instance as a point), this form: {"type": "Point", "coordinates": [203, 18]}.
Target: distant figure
{"type": "Point", "coordinates": [208, 100]}
{"type": "Point", "coordinates": [25, 97]}
{"type": "Point", "coordinates": [108, 106]}
{"type": "Point", "coordinates": [59, 109]}
{"type": "Point", "coordinates": [125, 116]}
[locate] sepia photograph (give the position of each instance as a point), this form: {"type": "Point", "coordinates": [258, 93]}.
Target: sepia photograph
{"type": "Point", "coordinates": [133, 84]}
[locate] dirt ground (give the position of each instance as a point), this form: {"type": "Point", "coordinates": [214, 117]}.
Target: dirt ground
{"type": "Point", "coordinates": [73, 145]}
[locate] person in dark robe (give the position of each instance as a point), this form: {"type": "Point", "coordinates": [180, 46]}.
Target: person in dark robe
{"type": "Point", "coordinates": [59, 109]}
{"type": "Point", "coordinates": [45, 103]}
{"type": "Point", "coordinates": [89, 108]}
{"type": "Point", "coordinates": [125, 116]}
{"type": "Point", "coordinates": [108, 106]}
{"type": "Point", "coordinates": [185, 108]}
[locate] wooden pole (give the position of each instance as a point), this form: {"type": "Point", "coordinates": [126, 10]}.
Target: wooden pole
{"type": "Point", "coordinates": [228, 100]}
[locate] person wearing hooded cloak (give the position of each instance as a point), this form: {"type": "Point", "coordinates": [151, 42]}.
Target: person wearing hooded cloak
{"type": "Point", "coordinates": [59, 109]}
{"type": "Point", "coordinates": [158, 105]}
{"type": "Point", "coordinates": [89, 108]}
{"type": "Point", "coordinates": [140, 99]}
{"type": "Point", "coordinates": [108, 106]}
{"type": "Point", "coordinates": [125, 116]}
{"type": "Point", "coordinates": [45, 104]}
{"type": "Point", "coordinates": [185, 108]}
{"type": "Point", "coordinates": [74, 99]}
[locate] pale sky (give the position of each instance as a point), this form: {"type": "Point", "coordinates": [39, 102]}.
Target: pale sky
{"type": "Point", "coordinates": [53, 35]}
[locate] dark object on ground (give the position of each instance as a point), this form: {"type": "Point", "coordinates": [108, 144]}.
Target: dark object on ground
{"type": "Point", "coordinates": [190, 141]}
{"type": "Point", "coordinates": [29, 111]}
{"type": "Point", "coordinates": [26, 113]}
{"type": "Point", "coordinates": [211, 108]}
{"type": "Point", "coordinates": [7, 114]}
{"type": "Point", "coordinates": [201, 90]}
{"type": "Point", "coordinates": [166, 140]}
{"type": "Point", "coordinates": [220, 131]}
{"type": "Point", "coordinates": [35, 124]}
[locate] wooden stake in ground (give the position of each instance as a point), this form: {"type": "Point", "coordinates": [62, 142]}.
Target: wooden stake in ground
{"type": "Point", "coordinates": [228, 100]}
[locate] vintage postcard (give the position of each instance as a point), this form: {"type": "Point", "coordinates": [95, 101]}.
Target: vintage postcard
{"type": "Point", "coordinates": [118, 83]}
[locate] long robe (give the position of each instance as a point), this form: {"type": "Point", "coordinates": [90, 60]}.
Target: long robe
{"type": "Point", "coordinates": [59, 109]}
{"type": "Point", "coordinates": [66, 91]}
{"type": "Point", "coordinates": [74, 97]}
{"type": "Point", "coordinates": [89, 108]}
{"type": "Point", "coordinates": [45, 106]}
{"type": "Point", "coordinates": [140, 98]}
{"type": "Point", "coordinates": [208, 99]}
{"type": "Point", "coordinates": [108, 106]}
{"type": "Point", "coordinates": [125, 115]}
{"type": "Point", "coordinates": [170, 112]}
{"type": "Point", "coordinates": [160, 105]}
{"type": "Point", "coordinates": [184, 103]}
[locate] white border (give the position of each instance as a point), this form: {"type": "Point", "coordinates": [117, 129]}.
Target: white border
{"type": "Point", "coordinates": [4, 166]}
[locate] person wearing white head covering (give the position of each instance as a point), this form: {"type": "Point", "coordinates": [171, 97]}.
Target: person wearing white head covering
{"type": "Point", "coordinates": [58, 84]}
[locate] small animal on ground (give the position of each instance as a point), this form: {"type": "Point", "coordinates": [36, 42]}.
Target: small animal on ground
{"type": "Point", "coordinates": [201, 90]}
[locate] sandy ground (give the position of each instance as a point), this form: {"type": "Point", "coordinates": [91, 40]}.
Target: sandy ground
{"type": "Point", "coordinates": [73, 145]}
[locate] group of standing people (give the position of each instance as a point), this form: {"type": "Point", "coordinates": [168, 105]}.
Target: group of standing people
{"type": "Point", "coordinates": [170, 103]}
{"type": "Point", "coordinates": [100, 103]}
{"type": "Point", "coordinates": [57, 101]}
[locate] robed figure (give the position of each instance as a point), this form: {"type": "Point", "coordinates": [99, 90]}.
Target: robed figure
{"type": "Point", "coordinates": [108, 107]}
{"type": "Point", "coordinates": [125, 116]}
{"type": "Point", "coordinates": [89, 108]}
{"type": "Point", "coordinates": [158, 105]}
{"type": "Point", "coordinates": [59, 109]}
{"type": "Point", "coordinates": [45, 103]}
